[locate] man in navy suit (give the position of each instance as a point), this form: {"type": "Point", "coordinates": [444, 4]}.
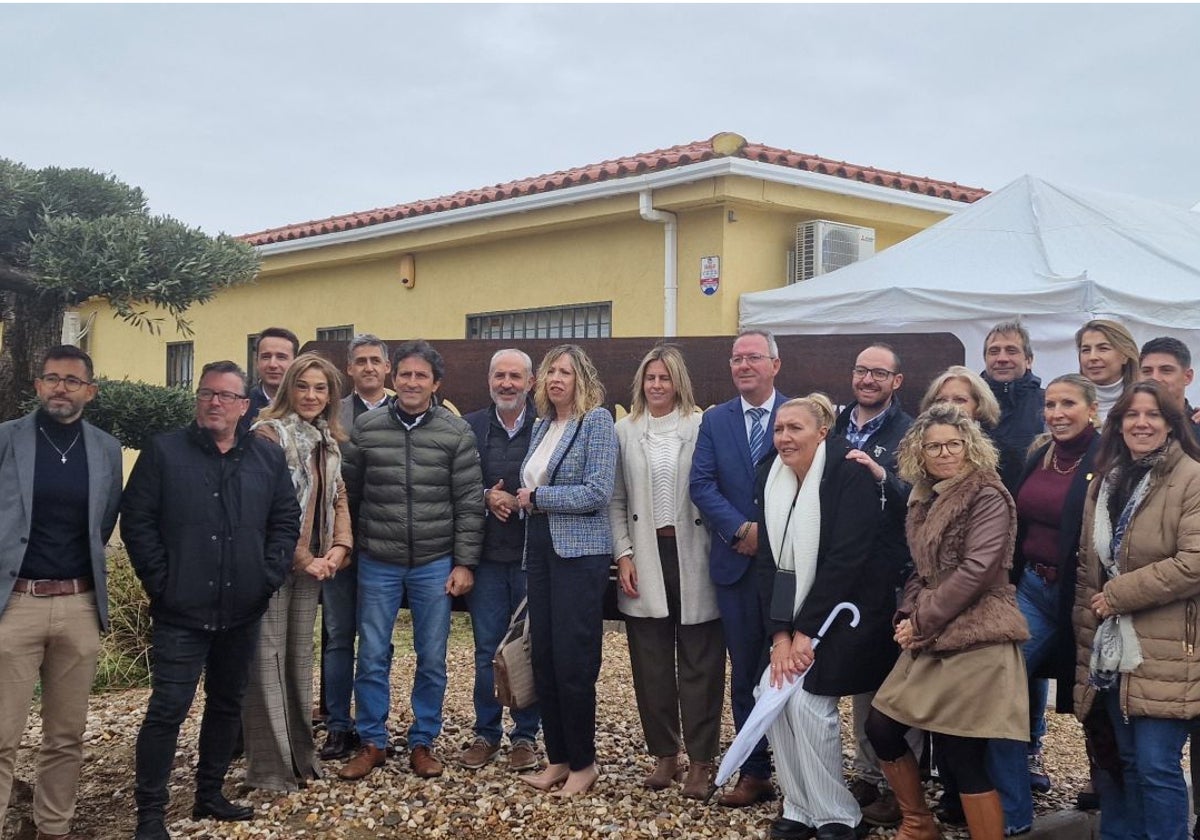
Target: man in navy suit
{"type": "Point", "coordinates": [733, 437]}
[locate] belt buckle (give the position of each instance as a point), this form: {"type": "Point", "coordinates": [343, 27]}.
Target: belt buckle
{"type": "Point", "coordinates": [33, 588]}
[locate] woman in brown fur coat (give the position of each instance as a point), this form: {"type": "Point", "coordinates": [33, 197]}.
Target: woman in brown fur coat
{"type": "Point", "coordinates": [960, 674]}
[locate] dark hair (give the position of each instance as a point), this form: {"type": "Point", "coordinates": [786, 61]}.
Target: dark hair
{"type": "Point", "coordinates": [69, 351]}
{"type": "Point", "coordinates": [1170, 346]}
{"type": "Point", "coordinates": [225, 366]}
{"type": "Point", "coordinates": [1113, 451]}
{"type": "Point", "coordinates": [424, 350]}
{"type": "Point", "coordinates": [279, 332]}
{"type": "Point", "coordinates": [882, 345]}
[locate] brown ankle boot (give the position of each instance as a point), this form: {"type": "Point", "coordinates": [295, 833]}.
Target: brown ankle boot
{"type": "Point", "coordinates": [666, 769]}
{"type": "Point", "coordinates": [699, 781]}
{"type": "Point", "coordinates": [916, 820]}
{"type": "Point", "coordinates": [985, 815]}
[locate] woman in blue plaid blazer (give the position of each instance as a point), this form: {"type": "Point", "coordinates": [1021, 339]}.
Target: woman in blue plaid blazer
{"type": "Point", "coordinates": [567, 483]}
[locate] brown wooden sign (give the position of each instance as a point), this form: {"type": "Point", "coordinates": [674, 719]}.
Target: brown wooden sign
{"type": "Point", "coordinates": [810, 363]}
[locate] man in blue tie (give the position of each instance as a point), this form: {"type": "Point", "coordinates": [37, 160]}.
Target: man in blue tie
{"type": "Point", "coordinates": [734, 436]}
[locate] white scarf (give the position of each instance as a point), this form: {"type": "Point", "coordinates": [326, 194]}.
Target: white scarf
{"type": "Point", "coordinates": [299, 439]}
{"type": "Point", "coordinates": [793, 517]}
{"type": "Point", "coordinates": [1115, 648]}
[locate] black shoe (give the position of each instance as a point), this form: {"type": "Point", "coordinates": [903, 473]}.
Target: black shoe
{"type": "Point", "coordinates": [220, 808]}
{"type": "Point", "coordinates": [151, 828]}
{"type": "Point", "coordinates": [339, 745]}
{"type": "Point", "coordinates": [838, 831]}
{"type": "Point", "coordinates": [784, 829]}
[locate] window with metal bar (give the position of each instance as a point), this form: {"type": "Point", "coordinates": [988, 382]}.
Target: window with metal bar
{"type": "Point", "coordinates": [585, 320]}
{"type": "Point", "coordinates": [180, 360]}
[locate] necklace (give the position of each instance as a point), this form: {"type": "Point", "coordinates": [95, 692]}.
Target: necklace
{"type": "Point", "coordinates": [62, 452]}
{"type": "Point", "coordinates": [1063, 470]}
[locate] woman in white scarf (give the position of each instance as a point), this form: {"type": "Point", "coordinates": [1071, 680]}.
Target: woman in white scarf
{"type": "Point", "coordinates": [276, 716]}
{"type": "Point", "coordinates": [822, 517]}
{"type": "Point", "coordinates": [1135, 610]}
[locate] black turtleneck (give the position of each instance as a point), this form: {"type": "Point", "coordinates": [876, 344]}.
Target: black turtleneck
{"type": "Point", "coordinates": [58, 535]}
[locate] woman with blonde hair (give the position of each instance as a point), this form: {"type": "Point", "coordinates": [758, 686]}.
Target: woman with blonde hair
{"type": "Point", "coordinates": [822, 524]}
{"type": "Point", "coordinates": [676, 645]}
{"type": "Point", "coordinates": [276, 716]}
{"type": "Point", "coordinates": [1109, 357]}
{"type": "Point", "coordinates": [960, 674]}
{"type": "Point", "coordinates": [567, 484]}
{"type": "Point", "coordinates": [966, 389]}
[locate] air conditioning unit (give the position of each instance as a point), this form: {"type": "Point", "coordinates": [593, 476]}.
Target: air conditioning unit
{"type": "Point", "coordinates": [823, 246]}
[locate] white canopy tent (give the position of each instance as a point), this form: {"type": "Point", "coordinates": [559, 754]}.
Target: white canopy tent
{"type": "Point", "coordinates": [1053, 256]}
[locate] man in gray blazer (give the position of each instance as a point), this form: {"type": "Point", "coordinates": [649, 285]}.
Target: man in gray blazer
{"type": "Point", "coordinates": [60, 488]}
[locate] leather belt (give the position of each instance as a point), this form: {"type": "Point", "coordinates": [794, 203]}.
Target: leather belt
{"type": "Point", "coordinates": [50, 588]}
{"type": "Point", "coordinates": [666, 531]}
{"type": "Point", "coordinates": [1046, 572]}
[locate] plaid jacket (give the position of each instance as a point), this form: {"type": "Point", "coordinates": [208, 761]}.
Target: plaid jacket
{"type": "Point", "coordinates": [577, 499]}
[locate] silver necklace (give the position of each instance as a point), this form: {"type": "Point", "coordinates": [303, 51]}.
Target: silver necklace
{"type": "Point", "coordinates": [62, 452]}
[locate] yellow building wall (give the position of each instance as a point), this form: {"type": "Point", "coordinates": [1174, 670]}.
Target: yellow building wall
{"type": "Point", "coordinates": [582, 253]}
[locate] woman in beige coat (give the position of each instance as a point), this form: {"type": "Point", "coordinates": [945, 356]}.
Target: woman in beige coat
{"type": "Point", "coordinates": [676, 646]}
{"type": "Point", "coordinates": [1136, 608]}
{"type": "Point", "coordinates": [277, 714]}
{"type": "Point", "coordinates": [960, 674]}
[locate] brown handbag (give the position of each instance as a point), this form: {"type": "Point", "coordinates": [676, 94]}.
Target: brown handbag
{"type": "Point", "coordinates": [513, 664]}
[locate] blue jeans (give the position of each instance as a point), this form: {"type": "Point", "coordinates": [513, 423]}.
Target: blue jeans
{"type": "Point", "coordinates": [1008, 763]}
{"type": "Point", "coordinates": [381, 588]}
{"type": "Point", "coordinates": [339, 618]}
{"type": "Point", "coordinates": [1154, 804]}
{"type": "Point", "coordinates": [498, 590]}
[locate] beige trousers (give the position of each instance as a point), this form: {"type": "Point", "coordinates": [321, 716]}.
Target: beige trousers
{"type": "Point", "coordinates": [57, 640]}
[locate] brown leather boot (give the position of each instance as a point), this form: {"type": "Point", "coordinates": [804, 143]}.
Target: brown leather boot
{"type": "Point", "coordinates": [699, 781]}
{"type": "Point", "coordinates": [366, 760]}
{"type": "Point", "coordinates": [985, 815]}
{"type": "Point", "coordinates": [666, 770]}
{"type": "Point", "coordinates": [916, 821]}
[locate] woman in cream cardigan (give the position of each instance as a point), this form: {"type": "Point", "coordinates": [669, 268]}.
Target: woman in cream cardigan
{"type": "Point", "coordinates": [277, 714]}
{"type": "Point", "coordinates": [676, 646]}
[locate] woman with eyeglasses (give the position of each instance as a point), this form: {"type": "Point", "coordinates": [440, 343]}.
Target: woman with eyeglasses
{"type": "Point", "coordinates": [1135, 611]}
{"type": "Point", "coordinates": [960, 674]}
{"type": "Point", "coordinates": [303, 419]}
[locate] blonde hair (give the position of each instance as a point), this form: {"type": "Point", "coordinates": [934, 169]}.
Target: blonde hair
{"type": "Point", "coordinates": [980, 452]}
{"type": "Point", "coordinates": [819, 406]}
{"type": "Point", "coordinates": [589, 390]}
{"type": "Point", "coordinates": [282, 406]}
{"type": "Point", "coordinates": [1121, 340]}
{"type": "Point", "coordinates": [672, 359]}
{"type": "Point", "coordinates": [987, 409]}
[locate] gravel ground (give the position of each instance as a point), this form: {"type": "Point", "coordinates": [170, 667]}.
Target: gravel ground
{"type": "Point", "coordinates": [488, 803]}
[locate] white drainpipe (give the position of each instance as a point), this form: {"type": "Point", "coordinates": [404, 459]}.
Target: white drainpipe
{"type": "Point", "coordinates": [670, 282]}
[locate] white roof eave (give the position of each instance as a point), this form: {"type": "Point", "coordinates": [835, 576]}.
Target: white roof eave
{"type": "Point", "coordinates": [617, 187]}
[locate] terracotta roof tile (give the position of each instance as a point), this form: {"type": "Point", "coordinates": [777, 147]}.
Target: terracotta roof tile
{"type": "Point", "coordinates": [657, 161]}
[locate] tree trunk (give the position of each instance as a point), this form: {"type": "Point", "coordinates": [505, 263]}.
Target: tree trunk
{"type": "Point", "coordinates": [32, 325]}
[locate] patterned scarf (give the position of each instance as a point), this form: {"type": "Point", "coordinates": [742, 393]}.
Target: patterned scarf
{"type": "Point", "coordinates": [299, 439]}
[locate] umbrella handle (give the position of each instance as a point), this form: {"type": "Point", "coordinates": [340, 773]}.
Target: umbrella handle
{"type": "Point", "coordinates": [855, 617]}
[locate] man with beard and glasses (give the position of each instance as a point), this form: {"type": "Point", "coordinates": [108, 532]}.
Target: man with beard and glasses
{"type": "Point", "coordinates": [502, 433]}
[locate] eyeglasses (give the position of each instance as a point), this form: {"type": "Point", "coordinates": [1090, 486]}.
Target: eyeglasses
{"type": "Point", "coordinates": [223, 397]}
{"type": "Point", "coordinates": [878, 374]}
{"type": "Point", "coordinates": [748, 359]}
{"type": "Point", "coordinates": [954, 447]}
{"type": "Point", "coordinates": [71, 383]}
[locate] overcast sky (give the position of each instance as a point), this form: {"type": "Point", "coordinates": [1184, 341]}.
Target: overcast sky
{"type": "Point", "coordinates": [239, 118]}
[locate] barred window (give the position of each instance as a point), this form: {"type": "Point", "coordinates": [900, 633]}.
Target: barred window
{"type": "Point", "coordinates": [585, 320]}
{"type": "Point", "coordinates": [342, 334]}
{"type": "Point", "coordinates": [252, 359]}
{"type": "Point", "coordinates": [180, 358]}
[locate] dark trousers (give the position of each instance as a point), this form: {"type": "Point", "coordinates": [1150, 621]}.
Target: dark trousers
{"type": "Point", "coordinates": [964, 757]}
{"type": "Point", "coordinates": [746, 639]}
{"type": "Point", "coordinates": [179, 655]}
{"type": "Point", "coordinates": [566, 622]}
{"type": "Point", "coordinates": [678, 673]}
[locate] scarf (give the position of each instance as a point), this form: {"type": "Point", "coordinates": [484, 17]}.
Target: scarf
{"type": "Point", "coordinates": [792, 511]}
{"type": "Point", "coordinates": [1115, 648]}
{"type": "Point", "coordinates": [299, 439]}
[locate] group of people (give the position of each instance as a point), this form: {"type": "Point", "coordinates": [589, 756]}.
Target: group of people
{"type": "Point", "coordinates": [1000, 537]}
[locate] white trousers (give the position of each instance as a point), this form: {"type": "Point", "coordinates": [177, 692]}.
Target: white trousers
{"type": "Point", "coordinates": [807, 745]}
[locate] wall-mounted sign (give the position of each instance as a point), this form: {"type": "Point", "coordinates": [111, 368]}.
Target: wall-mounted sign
{"type": "Point", "coordinates": [710, 275]}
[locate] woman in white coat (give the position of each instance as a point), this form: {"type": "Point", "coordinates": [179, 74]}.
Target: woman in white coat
{"type": "Point", "coordinates": [676, 646]}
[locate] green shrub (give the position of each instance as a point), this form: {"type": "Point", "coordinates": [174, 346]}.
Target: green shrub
{"type": "Point", "coordinates": [134, 412]}
{"type": "Point", "coordinates": [125, 649]}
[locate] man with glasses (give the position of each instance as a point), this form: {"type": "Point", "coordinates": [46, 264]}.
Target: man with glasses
{"type": "Point", "coordinates": [873, 425]}
{"type": "Point", "coordinates": [210, 520]}
{"type": "Point", "coordinates": [1007, 359]}
{"type": "Point", "coordinates": [61, 479]}
{"type": "Point", "coordinates": [733, 438]}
